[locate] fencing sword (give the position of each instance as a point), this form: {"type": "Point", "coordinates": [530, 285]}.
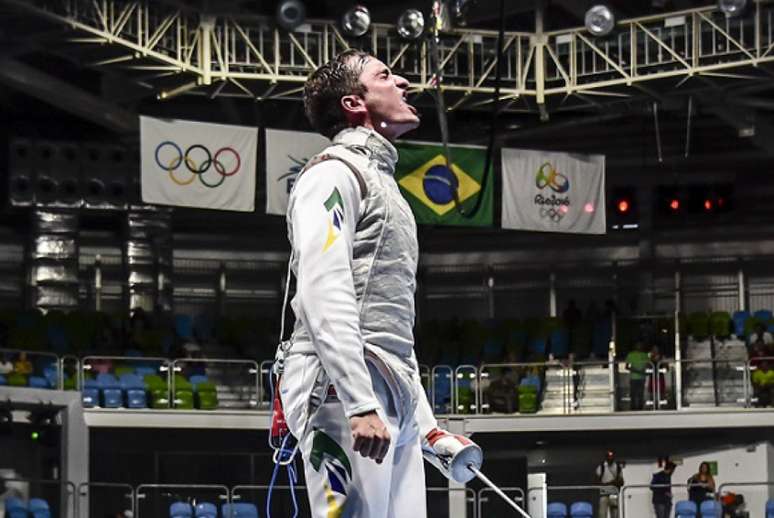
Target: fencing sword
{"type": "Point", "coordinates": [483, 478]}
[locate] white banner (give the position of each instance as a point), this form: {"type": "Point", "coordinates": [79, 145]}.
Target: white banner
{"type": "Point", "coordinates": [553, 192]}
{"type": "Point", "coordinates": [286, 154]}
{"type": "Point", "coordinates": [197, 164]}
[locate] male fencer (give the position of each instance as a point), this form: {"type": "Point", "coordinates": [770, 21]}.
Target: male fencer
{"type": "Point", "coordinates": [350, 386]}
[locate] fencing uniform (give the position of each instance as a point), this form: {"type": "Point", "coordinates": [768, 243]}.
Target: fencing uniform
{"type": "Point", "coordinates": [354, 257]}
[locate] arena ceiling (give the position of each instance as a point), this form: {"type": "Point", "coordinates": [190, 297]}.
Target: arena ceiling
{"type": "Point", "coordinates": [60, 81]}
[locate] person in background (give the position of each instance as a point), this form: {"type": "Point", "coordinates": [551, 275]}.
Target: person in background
{"type": "Point", "coordinates": [763, 383]}
{"type": "Point", "coordinates": [661, 487]}
{"type": "Point", "coordinates": [760, 334]}
{"type": "Point", "coordinates": [637, 362]}
{"type": "Point", "coordinates": [23, 365]}
{"type": "Point", "coordinates": [757, 351]}
{"type": "Point", "coordinates": [701, 486]}
{"type": "Point", "coordinates": [609, 473]}
{"type": "Point", "coordinates": [6, 366]}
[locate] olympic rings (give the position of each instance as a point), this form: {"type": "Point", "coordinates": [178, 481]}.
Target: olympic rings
{"type": "Point", "coordinates": [553, 214]}
{"type": "Point", "coordinates": [200, 169]}
{"type": "Point", "coordinates": [558, 183]}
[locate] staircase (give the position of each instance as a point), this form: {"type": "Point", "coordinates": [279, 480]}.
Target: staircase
{"type": "Point", "coordinates": [555, 392]}
{"type": "Point", "coordinates": [593, 390]}
{"type": "Point", "coordinates": [234, 384]}
{"type": "Point", "coordinates": [723, 385]}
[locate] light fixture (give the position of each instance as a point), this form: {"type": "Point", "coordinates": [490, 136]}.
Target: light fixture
{"type": "Point", "coordinates": [356, 21]}
{"type": "Point", "coordinates": [411, 24]}
{"type": "Point", "coordinates": [732, 8]}
{"type": "Point", "coordinates": [599, 20]}
{"type": "Point", "coordinates": [290, 14]}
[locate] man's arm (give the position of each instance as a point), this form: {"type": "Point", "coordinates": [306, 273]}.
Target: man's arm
{"type": "Point", "coordinates": [323, 212]}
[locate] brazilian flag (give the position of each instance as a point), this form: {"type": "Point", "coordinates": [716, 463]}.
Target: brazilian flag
{"type": "Point", "coordinates": [429, 186]}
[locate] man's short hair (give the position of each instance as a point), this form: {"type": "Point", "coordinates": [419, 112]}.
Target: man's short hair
{"type": "Point", "coordinates": [669, 466]}
{"type": "Point", "coordinates": [326, 86]}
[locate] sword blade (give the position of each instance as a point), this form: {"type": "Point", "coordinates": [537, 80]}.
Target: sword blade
{"type": "Point", "coordinates": [483, 478]}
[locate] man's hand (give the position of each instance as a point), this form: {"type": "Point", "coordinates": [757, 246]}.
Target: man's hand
{"type": "Point", "coordinates": [370, 435]}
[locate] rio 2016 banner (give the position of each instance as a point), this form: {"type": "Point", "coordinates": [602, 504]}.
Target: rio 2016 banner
{"type": "Point", "coordinates": [197, 164]}
{"type": "Point", "coordinates": [287, 152]}
{"type": "Point", "coordinates": [553, 192]}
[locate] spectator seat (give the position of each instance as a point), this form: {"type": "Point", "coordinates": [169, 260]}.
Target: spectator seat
{"type": "Point", "coordinates": [15, 507]}
{"type": "Point", "coordinates": [112, 397]}
{"type": "Point", "coordinates": [180, 510]}
{"type": "Point", "coordinates": [206, 510]}
{"type": "Point", "coordinates": [556, 510]}
{"type": "Point", "coordinates": [134, 390]}
{"type": "Point", "coordinates": [770, 509]}
{"type": "Point", "coordinates": [685, 509]}
{"type": "Point", "coordinates": [739, 320]}
{"type": "Point", "coordinates": [581, 510]}
{"type": "Point", "coordinates": [711, 509]}
{"type": "Point", "coordinates": [38, 508]}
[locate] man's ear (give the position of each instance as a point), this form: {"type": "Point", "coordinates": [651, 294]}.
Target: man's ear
{"type": "Point", "coordinates": [353, 105]}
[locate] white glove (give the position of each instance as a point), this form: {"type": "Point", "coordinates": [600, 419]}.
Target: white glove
{"type": "Point", "coordinates": [452, 454]}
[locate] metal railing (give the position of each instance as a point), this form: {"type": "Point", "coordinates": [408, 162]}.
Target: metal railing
{"type": "Point", "coordinates": [752, 392]}
{"type": "Point", "coordinates": [32, 369]}
{"type": "Point", "coordinates": [170, 493]}
{"type": "Point", "coordinates": [245, 370]}
{"type": "Point", "coordinates": [483, 497]}
{"type": "Point", "coordinates": [86, 490]}
{"type": "Point", "coordinates": [627, 499]}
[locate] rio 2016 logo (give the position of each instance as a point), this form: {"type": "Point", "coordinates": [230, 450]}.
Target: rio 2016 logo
{"type": "Point", "coordinates": [198, 159]}
{"type": "Point", "coordinates": [552, 207]}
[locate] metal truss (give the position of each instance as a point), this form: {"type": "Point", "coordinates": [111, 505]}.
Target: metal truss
{"type": "Point", "coordinates": [252, 58]}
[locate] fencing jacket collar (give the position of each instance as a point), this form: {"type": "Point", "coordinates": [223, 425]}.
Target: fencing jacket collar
{"type": "Point", "coordinates": [370, 143]}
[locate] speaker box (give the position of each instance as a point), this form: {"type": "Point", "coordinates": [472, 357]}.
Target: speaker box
{"type": "Point", "coordinates": [21, 173]}
{"type": "Point", "coordinates": [58, 174]}
{"type": "Point", "coordinates": [105, 176]}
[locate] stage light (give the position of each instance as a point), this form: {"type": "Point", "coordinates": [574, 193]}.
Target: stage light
{"type": "Point", "coordinates": [674, 204]}
{"type": "Point", "coordinates": [708, 205]}
{"type": "Point", "coordinates": [411, 24]}
{"type": "Point", "coordinates": [588, 208]}
{"type": "Point", "coordinates": [356, 21]}
{"type": "Point", "coordinates": [732, 8]}
{"type": "Point", "coordinates": [599, 20]}
{"type": "Point", "coordinates": [291, 14]}
{"type": "Point", "coordinates": [623, 206]}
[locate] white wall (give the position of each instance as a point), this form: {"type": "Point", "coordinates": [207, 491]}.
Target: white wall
{"type": "Point", "coordinates": [752, 464]}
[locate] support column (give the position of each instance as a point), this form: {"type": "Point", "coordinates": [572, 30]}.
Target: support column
{"type": "Point", "coordinates": [740, 289]}
{"type": "Point", "coordinates": [678, 355]}
{"type": "Point", "coordinates": [53, 259]}
{"type": "Point", "coordinates": [148, 258]}
{"type": "Point", "coordinates": [552, 294]}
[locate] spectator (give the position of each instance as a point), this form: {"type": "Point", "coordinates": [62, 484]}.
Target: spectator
{"type": "Point", "coordinates": [637, 362]}
{"type": "Point", "coordinates": [661, 486]}
{"type": "Point", "coordinates": [763, 383]}
{"type": "Point", "coordinates": [23, 365]}
{"type": "Point", "coordinates": [757, 351]}
{"type": "Point", "coordinates": [609, 473]}
{"type": "Point", "coordinates": [6, 366]}
{"type": "Point", "coordinates": [655, 358]}
{"type": "Point", "coordinates": [760, 334]}
{"type": "Point", "coordinates": [701, 486]}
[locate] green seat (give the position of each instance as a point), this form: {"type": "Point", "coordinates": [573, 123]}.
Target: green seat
{"type": "Point", "coordinates": [184, 399]}
{"type": "Point", "coordinates": [465, 400]}
{"type": "Point", "coordinates": [528, 399]}
{"type": "Point", "coordinates": [207, 400]}
{"type": "Point", "coordinates": [159, 392]}
{"type": "Point", "coordinates": [120, 371]}
{"type": "Point", "coordinates": [17, 380]}
{"type": "Point", "coordinates": [720, 324]}
{"type": "Point", "coordinates": [699, 325]}
{"type": "Point", "coordinates": [70, 383]}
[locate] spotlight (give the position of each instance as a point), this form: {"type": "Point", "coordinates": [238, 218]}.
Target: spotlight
{"type": "Point", "coordinates": [411, 24]}
{"type": "Point", "coordinates": [599, 20]}
{"type": "Point", "coordinates": [674, 204]}
{"type": "Point", "coordinates": [708, 205]}
{"type": "Point", "coordinates": [623, 206]}
{"type": "Point", "coordinates": [732, 8]}
{"type": "Point", "coordinates": [291, 14]}
{"type": "Point", "coordinates": [356, 21]}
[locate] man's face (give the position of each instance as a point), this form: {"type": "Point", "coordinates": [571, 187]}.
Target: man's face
{"type": "Point", "coordinates": [388, 111]}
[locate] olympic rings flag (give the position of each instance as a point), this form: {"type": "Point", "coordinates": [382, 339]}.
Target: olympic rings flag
{"type": "Point", "coordinates": [553, 192]}
{"type": "Point", "coordinates": [198, 164]}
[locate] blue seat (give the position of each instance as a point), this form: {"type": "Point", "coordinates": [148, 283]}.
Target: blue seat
{"type": "Point", "coordinates": [556, 510]}
{"type": "Point", "coordinates": [531, 380]}
{"type": "Point", "coordinates": [112, 397]}
{"type": "Point", "coordinates": [38, 382]}
{"type": "Point", "coordinates": [581, 510]}
{"type": "Point", "coordinates": [537, 345]}
{"type": "Point", "coordinates": [51, 373]}
{"type": "Point", "coordinates": [3, 381]}
{"type": "Point", "coordinates": [184, 326]}
{"type": "Point", "coordinates": [770, 509]}
{"type": "Point", "coordinates": [240, 510]}
{"type": "Point", "coordinates": [180, 510]}
{"type": "Point", "coordinates": [685, 509]}
{"type": "Point", "coordinates": [39, 508]}
{"type": "Point", "coordinates": [90, 393]}
{"type": "Point", "coordinates": [134, 388]}
{"type": "Point", "coordinates": [15, 508]}
{"type": "Point", "coordinates": [711, 509]}
{"type": "Point", "coordinates": [145, 370]}
{"type": "Point", "coordinates": [739, 318]}
{"type": "Point", "coordinates": [764, 315]}
{"type": "Point", "coordinates": [206, 510]}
